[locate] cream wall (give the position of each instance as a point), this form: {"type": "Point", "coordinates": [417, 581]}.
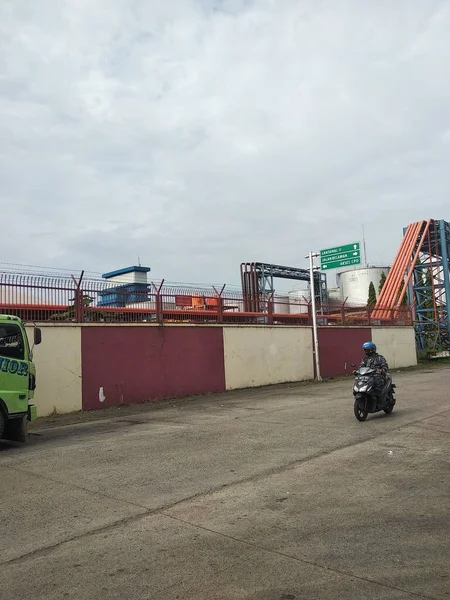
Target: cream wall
{"type": "Point", "coordinates": [397, 345]}
{"type": "Point", "coordinates": [257, 356]}
{"type": "Point", "coordinates": [58, 369]}
{"type": "Point", "coordinates": [254, 356]}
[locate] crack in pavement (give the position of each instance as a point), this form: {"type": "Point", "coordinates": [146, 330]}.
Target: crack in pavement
{"type": "Point", "coordinates": [145, 511]}
{"type": "Point", "coordinates": [432, 428]}
{"type": "Point", "coordinates": [262, 422]}
{"type": "Point", "coordinates": [302, 560]}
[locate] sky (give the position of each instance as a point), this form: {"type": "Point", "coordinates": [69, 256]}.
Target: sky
{"type": "Point", "coordinates": [199, 134]}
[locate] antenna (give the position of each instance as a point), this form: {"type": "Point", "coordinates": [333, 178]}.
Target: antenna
{"type": "Point", "coordinates": [139, 261]}
{"type": "Point", "coordinates": [364, 246]}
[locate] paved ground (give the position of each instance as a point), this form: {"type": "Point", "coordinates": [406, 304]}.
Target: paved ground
{"type": "Point", "coordinates": [272, 494]}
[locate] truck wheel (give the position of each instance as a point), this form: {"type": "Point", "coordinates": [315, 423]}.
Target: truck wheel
{"type": "Point", "coordinates": [2, 422]}
{"type": "Point", "coordinates": [16, 430]}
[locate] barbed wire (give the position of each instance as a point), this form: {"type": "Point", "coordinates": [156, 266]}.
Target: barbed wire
{"type": "Point", "coordinates": [93, 276]}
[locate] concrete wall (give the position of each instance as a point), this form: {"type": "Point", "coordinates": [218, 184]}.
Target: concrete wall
{"type": "Point", "coordinates": [58, 369]}
{"type": "Point", "coordinates": [256, 356]}
{"type": "Point", "coordinates": [397, 345]}
{"type": "Point", "coordinates": [93, 366]}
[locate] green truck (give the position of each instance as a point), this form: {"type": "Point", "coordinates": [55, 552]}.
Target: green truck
{"type": "Point", "coordinates": [17, 378]}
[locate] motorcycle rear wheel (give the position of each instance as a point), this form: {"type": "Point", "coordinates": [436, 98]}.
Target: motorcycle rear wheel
{"type": "Point", "coordinates": [360, 409]}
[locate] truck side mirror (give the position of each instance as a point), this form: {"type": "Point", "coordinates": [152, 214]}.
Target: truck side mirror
{"type": "Point", "coordinates": [37, 336]}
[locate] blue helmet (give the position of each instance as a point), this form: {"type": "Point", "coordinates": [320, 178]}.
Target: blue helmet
{"type": "Point", "coordinates": [369, 348]}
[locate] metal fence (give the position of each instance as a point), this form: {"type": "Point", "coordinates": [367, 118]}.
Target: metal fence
{"type": "Point", "coordinates": [37, 298]}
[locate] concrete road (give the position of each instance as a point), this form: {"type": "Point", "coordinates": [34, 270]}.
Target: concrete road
{"type": "Point", "coordinates": [270, 494]}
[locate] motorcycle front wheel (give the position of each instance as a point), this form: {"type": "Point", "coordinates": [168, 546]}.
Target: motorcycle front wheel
{"type": "Point", "coordinates": [389, 407]}
{"type": "Point", "coordinates": [360, 409]}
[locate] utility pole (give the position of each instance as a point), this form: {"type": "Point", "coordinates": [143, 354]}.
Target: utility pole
{"type": "Point", "coordinates": [312, 268]}
{"type": "Point", "coordinates": [364, 245]}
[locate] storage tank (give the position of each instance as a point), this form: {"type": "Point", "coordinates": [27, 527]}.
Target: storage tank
{"type": "Point", "coordinates": [233, 305]}
{"type": "Point", "coordinates": [335, 294]}
{"type": "Point", "coordinates": [281, 305]}
{"type": "Point", "coordinates": [354, 283]}
{"type": "Point", "coordinates": [298, 301]}
{"type": "Point", "coordinates": [334, 300]}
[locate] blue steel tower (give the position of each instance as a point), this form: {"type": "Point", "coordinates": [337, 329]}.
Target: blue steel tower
{"type": "Point", "coordinates": [421, 270]}
{"type": "Point", "coordinates": [429, 291]}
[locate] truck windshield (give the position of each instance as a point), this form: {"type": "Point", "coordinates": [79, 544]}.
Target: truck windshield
{"type": "Point", "coordinates": [11, 342]}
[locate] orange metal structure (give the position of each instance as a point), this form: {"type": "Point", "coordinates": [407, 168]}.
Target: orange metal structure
{"type": "Point", "coordinates": [421, 269]}
{"type": "Point", "coordinates": [396, 285]}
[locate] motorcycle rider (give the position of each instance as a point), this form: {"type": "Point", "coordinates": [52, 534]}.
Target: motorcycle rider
{"type": "Point", "coordinates": [373, 360]}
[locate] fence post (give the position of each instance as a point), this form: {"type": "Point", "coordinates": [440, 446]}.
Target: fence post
{"type": "Point", "coordinates": [79, 306]}
{"type": "Point", "coordinates": [158, 303]}
{"type": "Point", "coordinates": [78, 299]}
{"type": "Point", "coordinates": [219, 304]}
{"type": "Point", "coordinates": [219, 309]}
{"type": "Point", "coordinates": [269, 301]}
{"type": "Point", "coordinates": [158, 306]}
{"type": "Point", "coordinates": [343, 312]}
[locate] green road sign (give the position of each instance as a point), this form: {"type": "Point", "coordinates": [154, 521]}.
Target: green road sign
{"type": "Point", "coordinates": [340, 256]}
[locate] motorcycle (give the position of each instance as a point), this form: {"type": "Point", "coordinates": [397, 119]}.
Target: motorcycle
{"type": "Point", "coordinates": [367, 400]}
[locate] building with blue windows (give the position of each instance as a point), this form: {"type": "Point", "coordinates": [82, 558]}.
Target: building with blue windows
{"type": "Point", "coordinates": [131, 287]}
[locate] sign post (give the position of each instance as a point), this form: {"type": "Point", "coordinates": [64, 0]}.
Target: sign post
{"type": "Point", "coordinates": [340, 256]}
{"type": "Point", "coordinates": [311, 257]}
{"type": "Point", "coordinates": [330, 258]}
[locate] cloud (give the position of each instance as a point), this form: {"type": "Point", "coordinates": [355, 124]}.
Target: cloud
{"type": "Point", "coordinates": [199, 134]}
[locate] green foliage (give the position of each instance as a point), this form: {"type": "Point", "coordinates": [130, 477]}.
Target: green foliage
{"type": "Point", "coordinates": [372, 298]}
{"type": "Point", "coordinates": [70, 313]}
{"type": "Point", "coordinates": [383, 278]}
{"type": "Point", "coordinates": [87, 300]}
{"type": "Point", "coordinates": [382, 282]}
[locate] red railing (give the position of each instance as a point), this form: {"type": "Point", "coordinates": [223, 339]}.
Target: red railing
{"type": "Point", "coordinates": [37, 298]}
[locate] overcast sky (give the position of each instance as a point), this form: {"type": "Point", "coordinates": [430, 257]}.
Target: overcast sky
{"type": "Point", "coordinates": [199, 134]}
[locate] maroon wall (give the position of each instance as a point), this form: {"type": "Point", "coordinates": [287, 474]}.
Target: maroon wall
{"type": "Point", "coordinates": [136, 364]}
{"type": "Point", "coordinates": [339, 347]}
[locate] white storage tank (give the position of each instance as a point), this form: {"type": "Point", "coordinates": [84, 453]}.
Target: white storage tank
{"type": "Point", "coordinates": [334, 294]}
{"type": "Point", "coordinates": [354, 283]}
{"type": "Point", "coordinates": [298, 301]}
{"type": "Point", "coordinates": [231, 305]}
{"type": "Point", "coordinates": [281, 305]}
{"type": "Point", "coordinates": [334, 300]}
